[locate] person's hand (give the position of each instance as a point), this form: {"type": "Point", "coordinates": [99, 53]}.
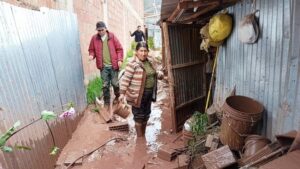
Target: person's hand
{"type": "Point", "coordinates": [91, 58]}
{"type": "Point", "coordinates": [120, 63]}
{"type": "Point", "coordinates": [122, 98]}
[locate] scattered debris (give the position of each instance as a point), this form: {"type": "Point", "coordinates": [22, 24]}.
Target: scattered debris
{"type": "Point", "coordinates": [286, 138]}
{"type": "Point", "coordinates": [104, 113]}
{"type": "Point", "coordinates": [183, 162]}
{"type": "Point", "coordinates": [254, 143]}
{"type": "Point", "coordinates": [290, 161]}
{"type": "Point", "coordinates": [219, 158]}
{"type": "Point", "coordinates": [166, 153]}
{"type": "Point", "coordinates": [170, 151]}
{"type": "Point", "coordinates": [119, 126]}
{"type": "Point", "coordinates": [212, 141]}
{"type": "Point", "coordinates": [268, 149]}
{"type": "Point", "coordinates": [268, 158]}
{"type": "Point", "coordinates": [296, 144]}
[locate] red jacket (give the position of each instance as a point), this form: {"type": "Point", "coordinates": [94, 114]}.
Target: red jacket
{"type": "Point", "coordinates": [115, 49]}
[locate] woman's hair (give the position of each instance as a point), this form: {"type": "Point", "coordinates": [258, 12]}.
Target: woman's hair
{"type": "Point", "coordinates": [141, 45]}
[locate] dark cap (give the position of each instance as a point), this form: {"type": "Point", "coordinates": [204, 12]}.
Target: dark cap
{"type": "Point", "coordinates": [100, 25]}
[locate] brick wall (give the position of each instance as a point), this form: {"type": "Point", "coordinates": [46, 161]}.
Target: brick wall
{"type": "Point", "coordinates": [121, 20]}
{"type": "Point", "coordinates": [88, 14]}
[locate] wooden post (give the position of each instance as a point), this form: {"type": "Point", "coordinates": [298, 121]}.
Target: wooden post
{"type": "Point", "coordinates": [170, 74]}
{"type": "Point", "coordinates": [163, 50]}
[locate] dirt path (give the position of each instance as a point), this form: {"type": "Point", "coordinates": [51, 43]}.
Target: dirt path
{"type": "Point", "coordinates": [135, 153]}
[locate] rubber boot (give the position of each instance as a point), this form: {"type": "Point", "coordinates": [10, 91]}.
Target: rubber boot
{"type": "Point", "coordinates": [138, 128]}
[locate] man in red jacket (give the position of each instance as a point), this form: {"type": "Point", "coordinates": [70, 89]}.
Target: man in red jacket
{"type": "Point", "coordinates": [108, 52]}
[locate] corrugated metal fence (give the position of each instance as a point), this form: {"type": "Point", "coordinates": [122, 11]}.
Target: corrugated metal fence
{"type": "Point", "coordinates": [269, 69]}
{"type": "Point", "coordinates": [40, 69]}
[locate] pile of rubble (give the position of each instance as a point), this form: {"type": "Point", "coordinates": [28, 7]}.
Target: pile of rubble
{"type": "Point", "coordinates": [235, 143]}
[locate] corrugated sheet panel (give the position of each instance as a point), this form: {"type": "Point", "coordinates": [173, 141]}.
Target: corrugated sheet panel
{"type": "Point", "coordinates": [188, 65]}
{"type": "Point", "coordinates": [40, 69]}
{"type": "Point", "coordinates": [269, 69]}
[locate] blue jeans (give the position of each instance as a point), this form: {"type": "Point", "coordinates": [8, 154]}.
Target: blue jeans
{"type": "Point", "coordinates": [109, 76]}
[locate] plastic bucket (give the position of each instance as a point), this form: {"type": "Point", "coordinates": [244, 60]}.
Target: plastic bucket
{"type": "Point", "coordinates": [240, 117]}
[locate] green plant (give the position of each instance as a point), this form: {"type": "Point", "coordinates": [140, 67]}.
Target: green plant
{"type": "Point", "coordinates": [150, 42]}
{"type": "Point", "coordinates": [46, 116]}
{"type": "Point", "coordinates": [129, 54]}
{"type": "Point", "coordinates": [199, 124]}
{"type": "Point", "coordinates": [94, 90]}
{"type": "Point", "coordinates": [133, 45]}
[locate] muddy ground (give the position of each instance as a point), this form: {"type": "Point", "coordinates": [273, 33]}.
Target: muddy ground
{"type": "Point", "coordinates": [134, 153]}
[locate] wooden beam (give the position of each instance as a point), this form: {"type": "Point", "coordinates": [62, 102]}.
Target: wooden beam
{"type": "Point", "coordinates": [170, 75]}
{"type": "Point", "coordinates": [197, 4]}
{"type": "Point", "coordinates": [176, 14]}
{"type": "Point", "coordinates": [199, 13]}
{"type": "Point", "coordinates": [183, 6]}
{"type": "Point", "coordinates": [189, 102]}
{"type": "Point", "coordinates": [186, 64]}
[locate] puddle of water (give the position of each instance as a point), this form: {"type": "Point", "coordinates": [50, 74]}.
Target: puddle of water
{"type": "Point", "coordinates": [153, 128]}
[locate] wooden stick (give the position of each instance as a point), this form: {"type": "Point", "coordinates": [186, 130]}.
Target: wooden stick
{"type": "Point", "coordinates": [211, 79]}
{"type": "Point", "coordinates": [268, 156]}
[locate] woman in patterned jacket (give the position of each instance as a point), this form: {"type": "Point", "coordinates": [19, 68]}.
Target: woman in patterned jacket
{"type": "Point", "coordinates": [139, 86]}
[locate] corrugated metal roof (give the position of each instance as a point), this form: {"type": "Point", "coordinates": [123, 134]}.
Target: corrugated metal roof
{"type": "Point", "coordinates": [269, 69]}
{"type": "Point", "coordinates": [40, 69]}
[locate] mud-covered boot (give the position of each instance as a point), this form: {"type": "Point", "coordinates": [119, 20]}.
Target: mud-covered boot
{"type": "Point", "coordinates": [138, 128]}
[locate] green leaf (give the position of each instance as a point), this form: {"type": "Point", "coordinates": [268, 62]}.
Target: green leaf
{"type": "Point", "coordinates": [71, 104]}
{"type": "Point", "coordinates": [48, 115]}
{"type": "Point", "coordinates": [20, 147]}
{"type": "Point", "coordinates": [6, 149]}
{"type": "Point", "coordinates": [54, 150]}
{"type": "Point", "coordinates": [199, 124]}
{"type": "Point", "coordinates": [8, 134]}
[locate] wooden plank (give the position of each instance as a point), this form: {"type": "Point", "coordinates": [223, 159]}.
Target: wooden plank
{"type": "Point", "coordinates": [201, 12]}
{"type": "Point", "coordinates": [163, 50]}
{"type": "Point", "coordinates": [197, 4]}
{"type": "Point", "coordinates": [175, 14]}
{"type": "Point", "coordinates": [186, 64]}
{"type": "Point", "coordinates": [189, 102]}
{"type": "Point", "coordinates": [170, 74]}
